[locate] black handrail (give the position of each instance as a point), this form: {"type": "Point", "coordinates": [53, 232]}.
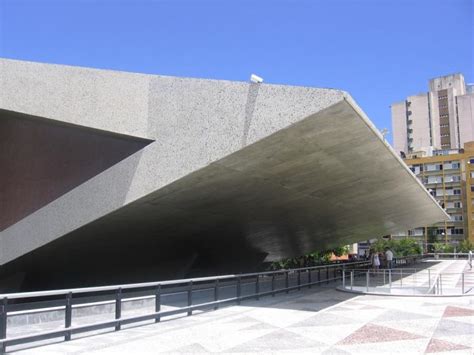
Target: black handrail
{"type": "Point", "coordinates": [156, 290]}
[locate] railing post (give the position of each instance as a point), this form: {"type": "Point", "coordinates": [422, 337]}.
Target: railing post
{"type": "Point", "coordinates": [299, 280]}
{"type": "Point", "coordinates": [310, 281]}
{"type": "Point", "coordinates": [287, 281]}
{"type": "Point", "coordinates": [118, 307]}
{"type": "Point", "coordinates": [190, 297]}
{"type": "Point", "coordinates": [441, 283]}
{"type": "Point", "coordinates": [157, 302]}
{"type": "Point", "coordinates": [239, 289]}
{"type": "Point", "coordinates": [367, 278]}
{"type": "Point", "coordinates": [429, 279]}
{"type": "Point", "coordinates": [273, 285]}
{"type": "Point", "coordinates": [319, 275]}
{"type": "Point", "coordinates": [216, 293]}
{"type": "Point", "coordinates": [3, 323]}
{"type": "Point", "coordinates": [327, 275]}
{"type": "Point", "coordinates": [68, 316]}
{"type": "Point", "coordinates": [390, 278]}
{"type": "Point", "coordinates": [257, 287]}
{"type": "Point", "coordinates": [401, 277]}
{"type": "Point", "coordinates": [343, 278]}
{"type": "Point", "coordinates": [352, 279]}
{"type": "Point", "coordinates": [462, 285]}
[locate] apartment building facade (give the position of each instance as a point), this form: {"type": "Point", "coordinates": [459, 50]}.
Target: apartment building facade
{"type": "Point", "coordinates": [448, 175]}
{"type": "Point", "coordinates": [442, 118]}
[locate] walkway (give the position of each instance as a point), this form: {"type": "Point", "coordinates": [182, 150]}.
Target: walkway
{"type": "Point", "coordinates": [317, 320]}
{"type": "Point", "coordinates": [451, 276]}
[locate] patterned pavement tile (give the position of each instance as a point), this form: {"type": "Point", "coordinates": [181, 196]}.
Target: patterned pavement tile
{"type": "Point", "coordinates": [327, 334]}
{"type": "Point", "coordinates": [448, 327]}
{"type": "Point", "coordinates": [422, 327]}
{"type": "Point", "coordinates": [361, 315]}
{"type": "Point", "coordinates": [437, 345]}
{"type": "Point", "coordinates": [279, 317]}
{"type": "Point", "coordinates": [277, 340]}
{"type": "Point", "coordinates": [463, 319]}
{"type": "Point", "coordinates": [372, 333]}
{"type": "Point", "coordinates": [452, 311]}
{"type": "Point", "coordinates": [325, 318]}
{"type": "Point", "coordinates": [260, 326]}
{"type": "Point", "coordinates": [191, 349]}
{"type": "Point", "coordinates": [244, 319]}
{"type": "Point", "coordinates": [466, 339]}
{"type": "Point", "coordinates": [397, 315]}
{"type": "Point", "coordinates": [405, 347]}
{"type": "Point", "coordinates": [335, 351]}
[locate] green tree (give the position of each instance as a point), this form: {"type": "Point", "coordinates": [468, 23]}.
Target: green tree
{"type": "Point", "coordinates": [465, 246]}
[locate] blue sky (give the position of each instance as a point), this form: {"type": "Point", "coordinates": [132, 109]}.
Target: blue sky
{"type": "Point", "coordinates": [378, 50]}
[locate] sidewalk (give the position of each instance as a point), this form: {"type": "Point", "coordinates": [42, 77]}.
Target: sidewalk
{"type": "Point", "coordinates": [319, 321]}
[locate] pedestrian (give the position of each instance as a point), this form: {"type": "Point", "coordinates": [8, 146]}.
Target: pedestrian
{"type": "Point", "coordinates": [389, 258]}
{"type": "Point", "coordinates": [375, 260]}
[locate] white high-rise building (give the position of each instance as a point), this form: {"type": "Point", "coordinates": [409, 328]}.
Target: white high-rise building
{"type": "Point", "coordinates": [442, 118]}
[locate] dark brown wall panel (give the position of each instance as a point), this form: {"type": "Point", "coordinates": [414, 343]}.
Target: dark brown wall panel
{"type": "Point", "coordinates": [40, 160]}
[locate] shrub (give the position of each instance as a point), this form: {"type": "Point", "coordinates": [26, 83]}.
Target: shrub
{"type": "Point", "coordinates": [465, 246]}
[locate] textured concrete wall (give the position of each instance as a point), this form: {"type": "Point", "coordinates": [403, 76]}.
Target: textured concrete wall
{"type": "Point", "coordinates": [102, 99]}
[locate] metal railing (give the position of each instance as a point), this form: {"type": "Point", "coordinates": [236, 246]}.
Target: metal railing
{"type": "Point", "coordinates": [406, 282]}
{"type": "Point", "coordinates": [237, 288]}
{"type": "Point", "coordinates": [448, 255]}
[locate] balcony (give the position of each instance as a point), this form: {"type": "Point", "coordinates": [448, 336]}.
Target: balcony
{"type": "Point", "coordinates": [454, 210]}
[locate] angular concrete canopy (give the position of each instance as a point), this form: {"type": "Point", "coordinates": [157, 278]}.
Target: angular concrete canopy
{"type": "Point", "coordinates": [236, 173]}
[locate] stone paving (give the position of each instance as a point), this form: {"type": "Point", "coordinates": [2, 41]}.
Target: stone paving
{"type": "Point", "coordinates": [319, 320]}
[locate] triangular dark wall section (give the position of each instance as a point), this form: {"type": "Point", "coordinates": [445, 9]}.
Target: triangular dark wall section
{"type": "Point", "coordinates": [42, 159]}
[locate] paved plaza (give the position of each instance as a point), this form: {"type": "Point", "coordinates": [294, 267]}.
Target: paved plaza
{"type": "Point", "coordinates": [316, 320]}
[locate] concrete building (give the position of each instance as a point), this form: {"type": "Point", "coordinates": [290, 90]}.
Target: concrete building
{"type": "Point", "coordinates": [442, 118]}
{"type": "Point", "coordinates": [449, 177]}
{"type": "Point", "coordinates": [111, 177]}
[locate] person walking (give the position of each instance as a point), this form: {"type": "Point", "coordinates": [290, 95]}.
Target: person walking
{"type": "Point", "coordinates": [375, 260]}
{"type": "Point", "coordinates": [389, 258]}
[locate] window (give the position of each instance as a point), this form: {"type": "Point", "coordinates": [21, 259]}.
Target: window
{"type": "Point", "coordinates": [456, 218]}
{"type": "Point", "coordinates": [456, 191]}
{"type": "Point", "coordinates": [453, 178]}
{"type": "Point", "coordinates": [471, 160]}
{"type": "Point", "coordinates": [457, 205]}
